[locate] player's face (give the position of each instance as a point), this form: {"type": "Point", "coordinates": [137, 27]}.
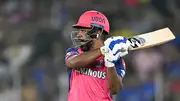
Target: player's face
{"type": "Point", "coordinates": [79, 36]}
{"type": "Point", "coordinates": [87, 37]}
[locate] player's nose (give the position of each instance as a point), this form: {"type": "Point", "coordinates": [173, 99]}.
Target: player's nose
{"type": "Point", "coordinates": [80, 34]}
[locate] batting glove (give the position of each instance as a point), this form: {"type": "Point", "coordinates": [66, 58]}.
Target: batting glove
{"type": "Point", "coordinates": [114, 48]}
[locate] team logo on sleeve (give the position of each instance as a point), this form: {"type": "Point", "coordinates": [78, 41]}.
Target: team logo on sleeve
{"type": "Point", "coordinates": [69, 54]}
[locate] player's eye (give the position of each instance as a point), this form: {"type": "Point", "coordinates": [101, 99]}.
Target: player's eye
{"type": "Point", "coordinates": [83, 30]}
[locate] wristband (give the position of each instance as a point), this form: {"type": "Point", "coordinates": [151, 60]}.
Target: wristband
{"type": "Point", "coordinates": [108, 64]}
{"type": "Point", "coordinates": [103, 50]}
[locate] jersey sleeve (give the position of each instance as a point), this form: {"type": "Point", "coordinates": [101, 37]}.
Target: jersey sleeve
{"type": "Point", "coordinates": [71, 52]}
{"type": "Point", "coordinates": [120, 68]}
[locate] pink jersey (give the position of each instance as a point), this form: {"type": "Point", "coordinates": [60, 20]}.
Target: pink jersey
{"type": "Point", "coordinates": [89, 83]}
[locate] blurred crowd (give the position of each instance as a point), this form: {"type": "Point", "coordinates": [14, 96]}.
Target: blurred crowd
{"type": "Point", "coordinates": [34, 35]}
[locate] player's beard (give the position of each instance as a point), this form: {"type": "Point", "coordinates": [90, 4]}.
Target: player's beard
{"type": "Point", "coordinates": [87, 46]}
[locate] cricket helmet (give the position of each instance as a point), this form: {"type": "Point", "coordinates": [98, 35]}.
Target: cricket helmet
{"type": "Point", "coordinates": [91, 18]}
{"type": "Point", "coordinates": [93, 21]}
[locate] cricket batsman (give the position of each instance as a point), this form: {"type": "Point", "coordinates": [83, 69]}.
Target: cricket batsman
{"type": "Point", "coordinates": [95, 65]}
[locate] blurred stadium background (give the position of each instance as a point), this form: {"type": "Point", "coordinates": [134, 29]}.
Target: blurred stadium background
{"type": "Point", "coordinates": [34, 35]}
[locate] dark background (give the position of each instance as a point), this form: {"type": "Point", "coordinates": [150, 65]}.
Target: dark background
{"type": "Point", "coordinates": [34, 35]}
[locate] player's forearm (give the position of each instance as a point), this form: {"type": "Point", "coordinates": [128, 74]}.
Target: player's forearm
{"type": "Point", "coordinates": [114, 81]}
{"type": "Point", "coordinates": [84, 59]}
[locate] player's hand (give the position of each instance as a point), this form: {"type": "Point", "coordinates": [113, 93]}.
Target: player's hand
{"type": "Point", "coordinates": [118, 46]}
{"type": "Point", "coordinates": [114, 48]}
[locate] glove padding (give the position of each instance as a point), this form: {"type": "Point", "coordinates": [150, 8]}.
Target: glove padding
{"type": "Point", "coordinates": [114, 48]}
{"type": "Point", "coordinates": [117, 47]}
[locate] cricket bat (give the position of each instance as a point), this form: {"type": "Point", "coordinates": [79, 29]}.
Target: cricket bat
{"type": "Point", "coordinates": [151, 39]}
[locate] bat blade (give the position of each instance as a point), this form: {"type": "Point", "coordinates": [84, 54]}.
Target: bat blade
{"type": "Point", "coordinates": [151, 39]}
